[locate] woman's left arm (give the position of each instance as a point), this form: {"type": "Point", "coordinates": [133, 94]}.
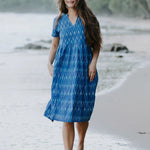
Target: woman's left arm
{"type": "Point", "coordinates": [92, 65]}
{"type": "Point", "coordinates": [95, 56]}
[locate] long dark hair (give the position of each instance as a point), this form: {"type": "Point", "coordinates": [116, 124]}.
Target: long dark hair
{"type": "Point", "coordinates": [89, 20]}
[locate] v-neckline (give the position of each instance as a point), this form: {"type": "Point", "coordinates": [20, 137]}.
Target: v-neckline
{"type": "Point", "coordinates": [70, 20]}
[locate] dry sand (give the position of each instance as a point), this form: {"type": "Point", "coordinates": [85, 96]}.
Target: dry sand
{"type": "Point", "coordinates": [125, 111]}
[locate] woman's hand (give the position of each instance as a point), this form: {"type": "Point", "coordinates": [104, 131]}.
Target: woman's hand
{"type": "Point", "coordinates": [91, 71]}
{"type": "Point", "coordinates": [50, 69]}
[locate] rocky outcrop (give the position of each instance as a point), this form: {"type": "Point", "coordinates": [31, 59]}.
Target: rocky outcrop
{"type": "Point", "coordinates": [116, 47]}
{"type": "Point", "coordinates": [32, 46]}
{"type": "Point", "coordinates": [39, 45]}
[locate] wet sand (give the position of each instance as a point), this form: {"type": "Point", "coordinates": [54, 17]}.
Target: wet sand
{"type": "Point", "coordinates": [125, 111]}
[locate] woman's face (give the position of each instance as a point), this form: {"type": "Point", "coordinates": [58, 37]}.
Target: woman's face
{"type": "Point", "coordinates": [70, 3]}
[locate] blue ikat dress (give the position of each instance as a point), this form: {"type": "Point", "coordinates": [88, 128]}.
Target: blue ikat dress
{"type": "Point", "coordinates": [72, 93]}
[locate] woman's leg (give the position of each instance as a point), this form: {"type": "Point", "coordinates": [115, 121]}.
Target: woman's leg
{"type": "Point", "coordinates": [81, 128]}
{"type": "Point", "coordinates": [68, 135]}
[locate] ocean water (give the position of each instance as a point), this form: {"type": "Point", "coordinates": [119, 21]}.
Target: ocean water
{"type": "Point", "coordinates": [25, 86]}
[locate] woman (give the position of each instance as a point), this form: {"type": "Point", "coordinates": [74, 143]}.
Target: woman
{"type": "Point", "coordinates": [75, 47]}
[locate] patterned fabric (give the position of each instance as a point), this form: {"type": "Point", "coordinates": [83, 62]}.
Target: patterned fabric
{"type": "Point", "coordinates": [72, 93]}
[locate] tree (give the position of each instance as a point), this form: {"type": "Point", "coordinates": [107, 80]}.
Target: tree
{"type": "Point", "coordinates": [146, 7]}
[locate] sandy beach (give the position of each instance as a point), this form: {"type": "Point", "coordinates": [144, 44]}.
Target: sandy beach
{"type": "Point", "coordinates": [121, 113]}
{"type": "Point", "coordinates": [125, 111]}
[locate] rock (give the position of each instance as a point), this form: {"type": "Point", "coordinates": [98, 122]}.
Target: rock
{"type": "Point", "coordinates": [119, 56]}
{"type": "Point", "coordinates": [141, 132]}
{"type": "Point", "coordinates": [116, 47]}
{"type": "Point", "coordinates": [37, 45]}
{"type": "Point", "coordinates": [32, 46]}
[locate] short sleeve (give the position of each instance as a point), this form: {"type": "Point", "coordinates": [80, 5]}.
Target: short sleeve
{"type": "Point", "coordinates": [55, 30]}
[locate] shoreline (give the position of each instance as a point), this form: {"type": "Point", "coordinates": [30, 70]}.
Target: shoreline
{"type": "Point", "coordinates": [124, 77]}
{"type": "Point", "coordinates": [123, 111]}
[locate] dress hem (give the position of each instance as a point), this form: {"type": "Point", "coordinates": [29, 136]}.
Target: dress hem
{"type": "Point", "coordinates": [55, 119]}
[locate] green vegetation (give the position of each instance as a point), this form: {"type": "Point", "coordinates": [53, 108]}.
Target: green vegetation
{"type": "Point", "coordinates": [123, 7]}
{"type": "Point", "coordinates": [132, 8]}
{"type": "Point", "coordinates": [27, 5]}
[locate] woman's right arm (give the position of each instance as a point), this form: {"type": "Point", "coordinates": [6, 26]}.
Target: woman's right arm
{"type": "Point", "coordinates": [52, 53]}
